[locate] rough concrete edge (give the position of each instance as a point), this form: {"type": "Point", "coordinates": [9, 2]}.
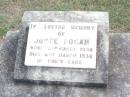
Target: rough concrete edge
{"type": "Point", "coordinates": [105, 13]}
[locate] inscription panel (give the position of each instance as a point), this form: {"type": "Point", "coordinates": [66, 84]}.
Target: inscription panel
{"type": "Point", "coordinates": [61, 44]}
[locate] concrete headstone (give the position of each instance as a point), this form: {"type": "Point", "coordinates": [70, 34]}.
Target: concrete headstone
{"type": "Point", "coordinates": [94, 71]}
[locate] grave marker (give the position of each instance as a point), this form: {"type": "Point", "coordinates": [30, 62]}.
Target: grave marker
{"type": "Point", "coordinates": [84, 62]}
{"type": "Point", "coordinates": [62, 44]}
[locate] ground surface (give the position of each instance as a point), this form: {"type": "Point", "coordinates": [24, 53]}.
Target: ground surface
{"type": "Point", "coordinates": [118, 82]}
{"type": "Point", "coordinates": [11, 11]}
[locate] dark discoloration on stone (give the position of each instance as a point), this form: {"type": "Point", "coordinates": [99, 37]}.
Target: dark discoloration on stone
{"type": "Point", "coordinates": [65, 76]}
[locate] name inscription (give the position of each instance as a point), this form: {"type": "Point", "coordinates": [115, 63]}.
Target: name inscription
{"type": "Point", "coordinates": [61, 44]}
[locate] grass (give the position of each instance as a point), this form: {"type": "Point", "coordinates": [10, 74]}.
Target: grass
{"type": "Point", "coordinates": [11, 11]}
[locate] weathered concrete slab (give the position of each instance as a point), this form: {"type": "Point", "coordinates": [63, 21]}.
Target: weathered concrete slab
{"type": "Point", "coordinates": [119, 60]}
{"type": "Point", "coordinates": [65, 76]}
{"type": "Point", "coordinates": [118, 80]}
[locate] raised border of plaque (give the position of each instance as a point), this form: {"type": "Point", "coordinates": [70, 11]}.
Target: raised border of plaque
{"type": "Point", "coordinates": [65, 76]}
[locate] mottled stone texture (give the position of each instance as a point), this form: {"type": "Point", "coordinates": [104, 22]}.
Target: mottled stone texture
{"type": "Point", "coordinates": [118, 80]}
{"type": "Point", "coordinates": [65, 76]}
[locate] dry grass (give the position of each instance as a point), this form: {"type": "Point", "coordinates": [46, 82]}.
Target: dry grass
{"type": "Point", "coordinates": [11, 11]}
